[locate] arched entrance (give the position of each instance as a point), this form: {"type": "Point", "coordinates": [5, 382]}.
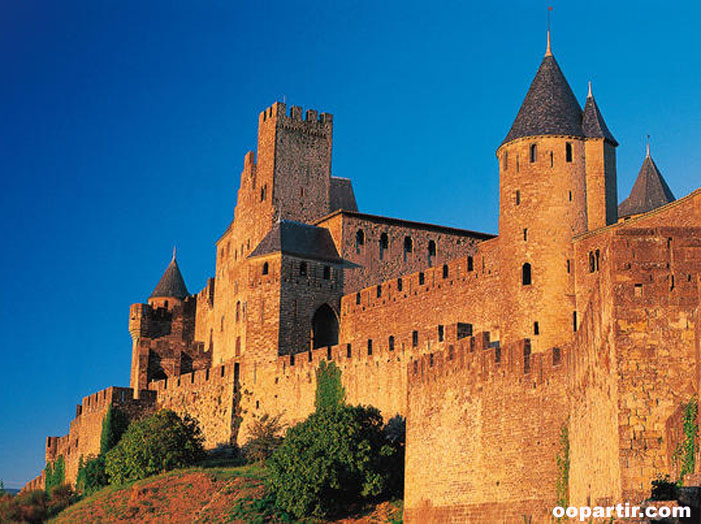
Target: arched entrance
{"type": "Point", "coordinates": [324, 327]}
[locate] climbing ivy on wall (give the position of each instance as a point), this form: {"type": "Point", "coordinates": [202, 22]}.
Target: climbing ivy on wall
{"type": "Point", "coordinates": [330, 393]}
{"type": "Point", "coordinates": [686, 451]}
{"type": "Point", "coordinates": [563, 467]}
{"type": "Point", "coordinates": [113, 425]}
{"type": "Point", "coordinates": [55, 474]}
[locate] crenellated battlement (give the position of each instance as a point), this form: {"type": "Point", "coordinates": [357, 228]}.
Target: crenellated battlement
{"type": "Point", "coordinates": [221, 374]}
{"type": "Point", "coordinates": [279, 114]}
{"type": "Point", "coordinates": [482, 361]}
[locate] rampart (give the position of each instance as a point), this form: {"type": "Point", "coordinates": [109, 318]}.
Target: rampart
{"type": "Point", "coordinates": [83, 438]}
{"type": "Point", "coordinates": [484, 428]}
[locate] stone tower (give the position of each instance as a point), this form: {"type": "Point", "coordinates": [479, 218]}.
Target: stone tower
{"type": "Point", "coordinates": [556, 181]}
{"type": "Point", "coordinates": [289, 180]}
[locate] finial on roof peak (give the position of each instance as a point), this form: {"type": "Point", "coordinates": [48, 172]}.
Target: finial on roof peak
{"type": "Point", "coordinates": [548, 50]}
{"type": "Point", "coordinates": [174, 252]}
{"type": "Point", "coordinates": [648, 146]}
{"type": "Point", "coordinates": [589, 95]}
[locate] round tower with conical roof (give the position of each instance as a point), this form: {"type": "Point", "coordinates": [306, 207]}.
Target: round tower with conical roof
{"type": "Point", "coordinates": [543, 204]}
{"type": "Point", "coordinates": [171, 289]}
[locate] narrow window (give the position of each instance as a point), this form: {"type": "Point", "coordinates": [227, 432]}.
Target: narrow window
{"type": "Point", "coordinates": [303, 269]}
{"type": "Point", "coordinates": [536, 328]}
{"type": "Point", "coordinates": [384, 244]}
{"type": "Point", "coordinates": [327, 272]}
{"type": "Point", "coordinates": [570, 195]}
{"type": "Point", "coordinates": [525, 234]}
{"type": "Point", "coordinates": [671, 283]}
{"type": "Point", "coordinates": [638, 290]}
{"type": "Point", "coordinates": [470, 263]}
{"type": "Point", "coordinates": [445, 270]}
{"type": "Point", "coordinates": [348, 351]}
{"type": "Point", "coordinates": [221, 323]}
{"type": "Point", "coordinates": [568, 152]}
{"type": "Point", "coordinates": [238, 347]}
{"type": "Point", "coordinates": [574, 321]}
{"type": "Point", "coordinates": [238, 310]}
{"type": "Point", "coordinates": [359, 239]}
{"type": "Point", "coordinates": [414, 339]}
{"type": "Point", "coordinates": [506, 160]}
{"type": "Point", "coordinates": [379, 291]}
{"type": "Point", "coordinates": [265, 268]}
{"type": "Point", "coordinates": [301, 192]}
{"type": "Point", "coordinates": [421, 278]}
{"type": "Point", "coordinates": [391, 343]}
{"type": "Point", "coordinates": [592, 262]}
{"type": "Point", "coordinates": [527, 358]}
{"type": "Point", "coordinates": [518, 197]}
{"type": "Point", "coordinates": [408, 246]}
{"type": "Point", "coordinates": [557, 356]}
{"type": "Point", "coordinates": [357, 298]}
{"type": "Point", "coordinates": [569, 268]}
{"type": "Point", "coordinates": [431, 248]}
{"type": "Point", "coordinates": [166, 304]}
{"type": "Point", "coordinates": [369, 346]}
{"type": "Point", "coordinates": [262, 192]}
{"type": "Point", "coordinates": [533, 153]}
{"type": "Point", "coordinates": [526, 274]}
{"type": "Point", "coordinates": [517, 164]}
{"type": "Point", "coordinates": [399, 284]}
{"type": "Point", "coordinates": [597, 259]}
{"type": "Point", "coordinates": [552, 159]}
{"type": "Point", "coordinates": [440, 333]}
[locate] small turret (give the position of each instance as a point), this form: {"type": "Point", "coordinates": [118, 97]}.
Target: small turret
{"type": "Point", "coordinates": [649, 192]}
{"type": "Point", "coordinates": [171, 288]}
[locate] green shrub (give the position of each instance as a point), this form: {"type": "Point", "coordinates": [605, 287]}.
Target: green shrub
{"type": "Point", "coordinates": [55, 474]}
{"type": "Point", "coordinates": [114, 425]}
{"type": "Point", "coordinates": [265, 438]}
{"type": "Point", "coordinates": [158, 443]}
{"type": "Point", "coordinates": [330, 393]}
{"type": "Point", "coordinates": [335, 457]}
{"type": "Point", "coordinates": [91, 475]}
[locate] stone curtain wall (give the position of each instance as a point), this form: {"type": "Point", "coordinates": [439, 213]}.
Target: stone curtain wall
{"type": "Point", "coordinates": [208, 395]}
{"type": "Point", "coordinates": [83, 439]}
{"type": "Point", "coordinates": [483, 434]}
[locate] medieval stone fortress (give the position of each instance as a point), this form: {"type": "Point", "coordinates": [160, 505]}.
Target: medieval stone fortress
{"type": "Point", "coordinates": [580, 319]}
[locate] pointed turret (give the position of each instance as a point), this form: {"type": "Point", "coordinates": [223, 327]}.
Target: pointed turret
{"type": "Point", "coordinates": [593, 125]}
{"type": "Point", "coordinates": [171, 284]}
{"type": "Point", "coordinates": [550, 107]}
{"type": "Point", "coordinates": [650, 190]}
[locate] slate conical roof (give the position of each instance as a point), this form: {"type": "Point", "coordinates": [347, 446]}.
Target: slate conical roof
{"type": "Point", "coordinates": [650, 191]}
{"type": "Point", "coordinates": [550, 107]}
{"type": "Point", "coordinates": [593, 125]}
{"type": "Point", "coordinates": [171, 283]}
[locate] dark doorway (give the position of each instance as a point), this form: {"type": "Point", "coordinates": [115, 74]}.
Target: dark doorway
{"type": "Point", "coordinates": [324, 327]}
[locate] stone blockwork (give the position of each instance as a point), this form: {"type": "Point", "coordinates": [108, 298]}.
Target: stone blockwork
{"type": "Point", "coordinates": [484, 429]}
{"type": "Point", "coordinates": [568, 323]}
{"type": "Point", "coordinates": [83, 438]}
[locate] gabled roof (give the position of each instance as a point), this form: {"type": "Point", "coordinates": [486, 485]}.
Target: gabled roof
{"type": "Point", "coordinates": [650, 191]}
{"type": "Point", "coordinates": [302, 240]}
{"type": "Point", "coordinates": [550, 107]}
{"type": "Point", "coordinates": [593, 124]}
{"type": "Point", "coordinates": [171, 283]}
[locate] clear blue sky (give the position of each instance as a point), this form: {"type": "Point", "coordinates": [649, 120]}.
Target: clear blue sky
{"type": "Point", "coordinates": [123, 126]}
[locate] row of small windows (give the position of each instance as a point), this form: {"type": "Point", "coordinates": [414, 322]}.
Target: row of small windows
{"type": "Point", "coordinates": [303, 270]}
{"type": "Point", "coordinates": [422, 279]}
{"type": "Point", "coordinates": [533, 156]}
{"type": "Point", "coordinates": [594, 257]}
{"type": "Point", "coordinates": [384, 244]}
{"type": "Point", "coordinates": [517, 197]}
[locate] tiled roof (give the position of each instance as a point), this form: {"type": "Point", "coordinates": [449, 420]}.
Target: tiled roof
{"type": "Point", "coordinates": [342, 196]}
{"type": "Point", "coordinates": [650, 191]}
{"type": "Point", "coordinates": [550, 107]}
{"type": "Point", "coordinates": [294, 238]}
{"type": "Point", "coordinates": [171, 283]}
{"type": "Point", "coordinates": [593, 124]}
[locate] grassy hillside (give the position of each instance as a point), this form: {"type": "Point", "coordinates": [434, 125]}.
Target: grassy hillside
{"type": "Point", "coordinates": [214, 494]}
